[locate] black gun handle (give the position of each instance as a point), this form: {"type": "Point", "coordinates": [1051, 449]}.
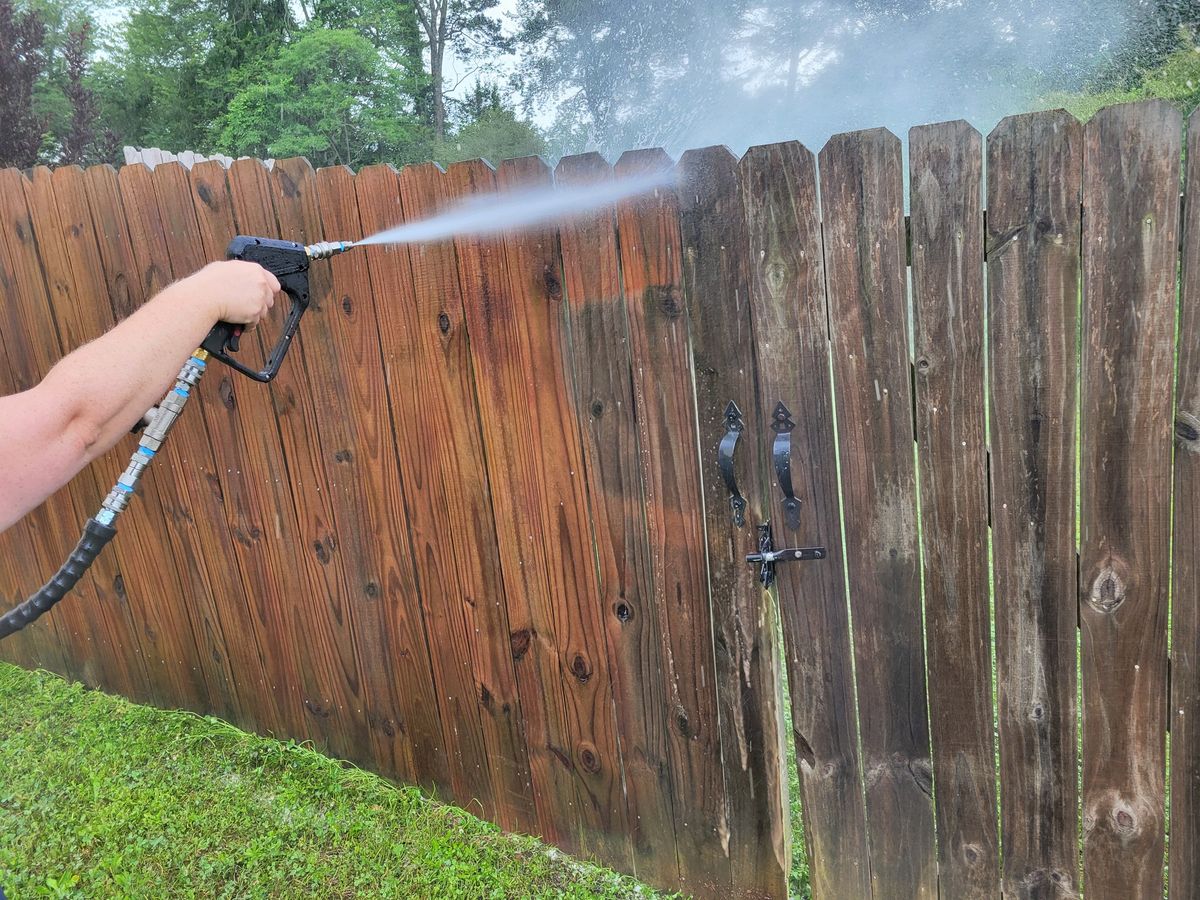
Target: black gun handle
{"type": "Point", "coordinates": [223, 339]}
{"type": "Point", "coordinates": [227, 335]}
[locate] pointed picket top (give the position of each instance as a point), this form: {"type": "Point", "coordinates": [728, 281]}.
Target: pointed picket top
{"type": "Point", "coordinates": [583, 168]}
{"type": "Point", "coordinates": [1058, 119]}
{"type": "Point", "coordinates": [643, 162]}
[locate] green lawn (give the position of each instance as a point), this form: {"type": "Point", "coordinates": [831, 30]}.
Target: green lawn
{"type": "Point", "coordinates": [103, 798]}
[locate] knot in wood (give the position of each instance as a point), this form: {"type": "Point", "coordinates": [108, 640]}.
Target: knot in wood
{"type": "Point", "coordinates": [1108, 590]}
{"type": "Point", "coordinates": [347, 305]}
{"type": "Point", "coordinates": [580, 668]}
{"type": "Point", "coordinates": [520, 640]}
{"type": "Point", "coordinates": [1187, 429]}
{"type": "Point", "coordinates": [972, 854]}
{"type": "Point", "coordinates": [443, 323]}
{"type": "Point", "coordinates": [589, 759]}
{"type": "Point", "coordinates": [623, 611]}
{"type": "Point", "coordinates": [371, 589]}
{"type": "Point", "coordinates": [225, 391]}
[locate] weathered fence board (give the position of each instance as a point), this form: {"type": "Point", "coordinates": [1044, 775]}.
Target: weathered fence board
{"type": "Point", "coordinates": [218, 508]}
{"type": "Point", "coordinates": [593, 755]}
{"type": "Point", "coordinates": [650, 256]}
{"type": "Point", "coordinates": [946, 165]}
{"type": "Point", "coordinates": [862, 200]}
{"type": "Point", "coordinates": [1130, 238]}
{"type": "Point", "coordinates": [177, 670]}
{"type": "Point", "coordinates": [475, 536]}
{"type": "Point", "coordinates": [716, 290]}
{"type": "Point", "coordinates": [1184, 711]}
{"type": "Point", "coordinates": [95, 624]}
{"type": "Point", "coordinates": [505, 387]}
{"type": "Point", "coordinates": [607, 415]}
{"type": "Point", "coordinates": [365, 488]}
{"type": "Point", "coordinates": [447, 482]}
{"type": "Point", "coordinates": [190, 505]}
{"type": "Point", "coordinates": [787, 295]}
{"type": "Point", "coordinates": [1034, 166]}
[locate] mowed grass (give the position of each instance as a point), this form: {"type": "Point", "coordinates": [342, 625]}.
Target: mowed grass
{"type": "Point", "coordinates": [103, 798]}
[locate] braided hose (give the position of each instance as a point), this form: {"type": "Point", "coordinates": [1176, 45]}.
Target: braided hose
{"type": "Point", "coordinates": [101, 528]}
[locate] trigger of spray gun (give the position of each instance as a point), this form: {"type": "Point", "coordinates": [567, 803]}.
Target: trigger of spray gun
{"type": "Point", "coordinates": [326, 249]}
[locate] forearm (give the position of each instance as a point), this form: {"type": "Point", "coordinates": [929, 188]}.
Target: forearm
{"type": "Point", "coordinates": [115, 379]}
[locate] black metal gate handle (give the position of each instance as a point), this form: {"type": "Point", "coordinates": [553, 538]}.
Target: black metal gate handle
{"type": "Point", "coordinates": [782, 425]}
{"type": "Point", "coordinates": [734, 426]}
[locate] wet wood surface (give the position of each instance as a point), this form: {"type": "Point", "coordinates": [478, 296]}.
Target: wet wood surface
{"type": "Point", "coordinates": [1130, 239]}
{"type": "Point", "coordinates": [1034, 170]}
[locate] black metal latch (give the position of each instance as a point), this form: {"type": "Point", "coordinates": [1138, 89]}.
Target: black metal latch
{"type": "Point", "coordinates": [767, 556]}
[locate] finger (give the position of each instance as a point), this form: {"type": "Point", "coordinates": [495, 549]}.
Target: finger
{"type": "Point", "coordinates": [273, 282]}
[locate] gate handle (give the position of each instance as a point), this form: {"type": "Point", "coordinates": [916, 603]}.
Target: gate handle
{"type": "Point", "coordinates": [734, 426]}
{"type": "Point", "coordinates": [782, 425]}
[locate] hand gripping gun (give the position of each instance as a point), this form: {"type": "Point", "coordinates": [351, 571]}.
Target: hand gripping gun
{"type": "Point", "coordinates": [287, 261]}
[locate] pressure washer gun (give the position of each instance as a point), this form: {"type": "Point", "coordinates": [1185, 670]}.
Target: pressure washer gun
{"type": "Point", "coordinates": [287, 261]}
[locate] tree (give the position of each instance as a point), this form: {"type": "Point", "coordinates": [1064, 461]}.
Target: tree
{"type": "Point", "coordinates": [464, 25]}
{"type": "Point", "coordinates": [490, 130]}
{"type": "Point", "coordinates": [329, 96]}
{"type": "Point", "coordinates": [22, 63]}
{"type": "Point", "coordinates": [81, 137]}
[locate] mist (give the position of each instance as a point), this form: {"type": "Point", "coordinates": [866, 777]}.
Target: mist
{"type": "Point", "coordinates": [686, 73]}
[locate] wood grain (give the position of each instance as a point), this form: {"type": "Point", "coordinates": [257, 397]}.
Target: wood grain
{"type": "Point", "coordinates": [166, 244]}
{"type": "Point", "coordinates": [650, 255]}
{"type": "Point", "coordinates": [93, 618]}
{"type": "Point", "coordinates": [356, 448]}
{"type": "Point", "coordinates": [505, 387]}
{"type": "Point", "coordinates": [607, 416]}
{"type": "Point", "coordinates": [862, 199]}
{"type": "Point", "coordinates": [277, 429]}
{"type": "Point", "coordinates": [1184, 717]}
{"type": "Point", "coordinates": [946, 166]}
{"type": "Point", "coordinates": [1034, 168]}
{"type": "Point", "coordinates": [187, 511]}
{"type": "Point", "coordinates": [535, 281]}
{"type": "Point", "coordinates": [787, 296]}
{"type": "Point", "coordinates": [748, 667]}
{"type": "Point", "coordinates": [165, 634]}
{"type": "Point", "coordinates": [1130, 238]}
{"type": "Point", "coordinates": [427, 357]}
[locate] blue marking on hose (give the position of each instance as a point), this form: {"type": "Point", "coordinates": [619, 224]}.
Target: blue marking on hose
{"type": "Point", "coordinates": [127, 488]}
{"type": "Point", "coordinates": [200, 364]}
{"type": "Point", "coordinates": [146, 451]}
{"type": "Point", "coordinates": [181, 391]}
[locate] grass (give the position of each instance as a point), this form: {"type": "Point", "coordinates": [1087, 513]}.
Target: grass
{"type": "Point", "coordinates": [103, 798]}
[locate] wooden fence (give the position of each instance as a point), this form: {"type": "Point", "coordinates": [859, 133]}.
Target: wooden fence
{"type": "Point", "coordinates": [476, 536]}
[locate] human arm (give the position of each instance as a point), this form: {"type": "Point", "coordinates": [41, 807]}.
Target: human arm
{"type": "Point", "coordinates": [92, 397]}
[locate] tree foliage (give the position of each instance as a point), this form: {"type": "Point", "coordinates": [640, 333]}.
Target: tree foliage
{"type": "Point", "coordinates": [22, 63]}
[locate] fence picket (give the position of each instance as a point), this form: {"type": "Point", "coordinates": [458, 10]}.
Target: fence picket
{"type": "Point", "coordinates": [1034, 165]}
{"type": "Point", "coordinates": [787, 295]}
{"type": "Point", "coordinates": [605, 408]}
{"type": "Point", "coordinates": [650, 256]}
{"type": "Point", "coordinates": [1130, 239]}
{"type": "Point", "coordinates": [98, 619]}
{"type": "Point", "coordinates": [365, 490]}
{"type": "Point", "coordinates": [179, 663]}
{"type": "Point", "coordinates": [1184, 716]}
{"type": "Point", "coordinates": [454, 530]}
{"type": "Point", "coordinates": [505, 387]}
{"type": "Point", "coordinates": [946, 164]}
{"type": "Point", "coordinates": [863, 203]}
{"type": "Point", "coordinates": [169, 243]}
{"type": "Point", "coordinates": [747, 663]}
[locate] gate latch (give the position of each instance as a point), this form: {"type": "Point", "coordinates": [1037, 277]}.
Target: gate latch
{"type": "Point", "coordinates": [767, 556]}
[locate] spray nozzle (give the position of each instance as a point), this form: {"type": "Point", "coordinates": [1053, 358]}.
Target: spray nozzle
{"type": "Point", "coordinates": [326, 249]}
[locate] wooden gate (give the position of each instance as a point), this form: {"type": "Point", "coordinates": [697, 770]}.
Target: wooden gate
{"type": "Point", "coordinates": [488, 532]}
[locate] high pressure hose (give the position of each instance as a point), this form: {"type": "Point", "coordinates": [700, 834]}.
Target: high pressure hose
{"type": "Point", "coordinates": [101, 528]}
